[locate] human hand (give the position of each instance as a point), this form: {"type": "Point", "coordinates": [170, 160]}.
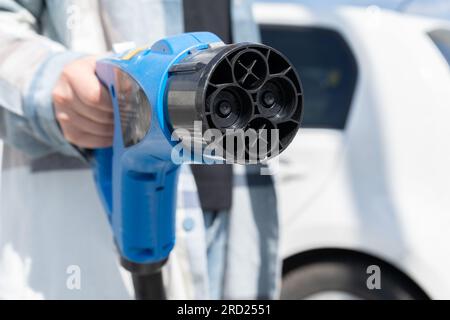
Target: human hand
{"type": "Point", "coordinates": [83, 106]}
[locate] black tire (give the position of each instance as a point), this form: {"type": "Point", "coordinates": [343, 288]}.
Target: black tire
{"type": "Point", "coordinates": [346, 274]}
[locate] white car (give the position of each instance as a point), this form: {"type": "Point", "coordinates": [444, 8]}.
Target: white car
{"type": "Point", "coordinates": [367, 181]}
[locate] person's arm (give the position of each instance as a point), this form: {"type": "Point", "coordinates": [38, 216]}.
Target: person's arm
{"type": "Point", "coordinates": [42, 85]}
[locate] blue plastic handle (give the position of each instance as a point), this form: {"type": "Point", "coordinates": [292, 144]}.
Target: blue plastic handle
{"type": "Point", "coordinates": [138, 184]}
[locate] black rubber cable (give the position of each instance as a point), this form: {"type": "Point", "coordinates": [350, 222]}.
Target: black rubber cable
{"type": "Point", "coordinates": [149, 286]}
{"type": "Point", "coordinates": [147, 279]}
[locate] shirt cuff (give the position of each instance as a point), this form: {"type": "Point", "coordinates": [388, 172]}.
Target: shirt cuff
{"type": "Point", "coordinates": [38, 104]}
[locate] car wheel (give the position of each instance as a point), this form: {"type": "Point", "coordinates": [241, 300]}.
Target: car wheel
{"type": "Point", "coordinates": [344, 278]}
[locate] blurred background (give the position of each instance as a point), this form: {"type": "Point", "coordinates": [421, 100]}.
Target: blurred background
{"type": "Point", "coordinates": [365, 193]}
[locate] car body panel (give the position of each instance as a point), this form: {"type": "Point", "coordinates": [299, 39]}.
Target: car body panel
{"type": "Point", "coordinates": [381, 186]}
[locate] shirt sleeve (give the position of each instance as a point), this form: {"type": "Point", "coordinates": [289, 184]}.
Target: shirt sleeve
{"type": "Point", "coordinates": [30, 65]}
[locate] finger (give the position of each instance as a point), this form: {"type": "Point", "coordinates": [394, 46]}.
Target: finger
{"type": "Point", "coordinates": [85, 139]}
{"type": "Point", "coordinates": [90, 91]}
{"type": "Point", "coordinates": [94, 114]}
{"type": "Point", "coordinates": [66, 116]}
{"type": "Point", "coordinates": [62, 94]}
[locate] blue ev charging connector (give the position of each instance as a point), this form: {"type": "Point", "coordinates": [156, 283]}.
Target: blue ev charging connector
{"type": "Point", "coordinates": [168, 86]}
